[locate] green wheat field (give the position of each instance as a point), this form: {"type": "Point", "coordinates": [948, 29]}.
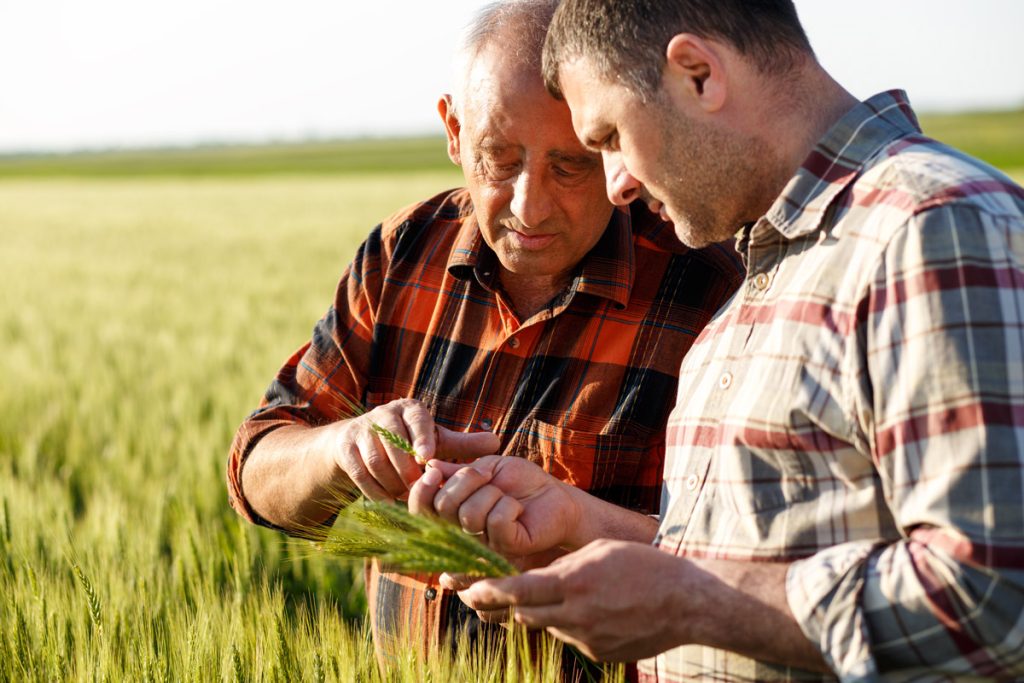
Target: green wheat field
{"type": "Point", "coordinates": [147, 300]}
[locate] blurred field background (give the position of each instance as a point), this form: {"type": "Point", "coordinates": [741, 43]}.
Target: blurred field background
{"type": "Point", "coordinates": [148, 298]}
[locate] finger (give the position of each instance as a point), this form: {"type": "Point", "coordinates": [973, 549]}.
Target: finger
{"type": "Point", "coordinates": [569, 639]}
{"type": "Point", "coordinates": [447, 468]}
{"type": "Point", "coordinates": [487, 465]}
{"type": "Point", "coordinates": [403, 463]}
{"type": "Point", "coordinates": [421, 495]}
{"type": "Point", "coordinates": [543, 616]}
{"type": "Point", "coordinates": [422, 432]}
{"type": "Point", "coordinates": [465, 445]}
{"type": "Point", "coordinates": [378, 464]}
{"type": "Point", "coordinates": [457, 582]}
{"type": "Point", "coordinates": [351, 462]}
{"type": "Point", "coordinates": [534, 588]}
{"type": "Point", "coordinates": [503, 528]}
{"type": "Point", "coordinates": [474, 510]}
{"type": "Point", "coordinates": [456, 490]}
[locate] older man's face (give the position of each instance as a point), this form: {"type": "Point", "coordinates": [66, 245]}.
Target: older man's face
{"type": "Point", "coordinates": [538, 194]}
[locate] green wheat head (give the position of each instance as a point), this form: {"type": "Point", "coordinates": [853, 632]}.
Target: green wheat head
{"type": "Point", "coordinates": [92, 599]}
{"type": "Point", "coordinates": [404, 541]}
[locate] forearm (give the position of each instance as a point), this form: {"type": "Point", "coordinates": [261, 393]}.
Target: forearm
{"type": "Point", "coordinates": [600, 519]}
{"type": "Point", "coordinates": [289, 479]}
{"type": "Point", "coordinates": [742, 607]}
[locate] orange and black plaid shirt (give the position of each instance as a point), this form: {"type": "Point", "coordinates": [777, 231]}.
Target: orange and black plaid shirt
{"type": "Point", "coordinates": [583, 387]}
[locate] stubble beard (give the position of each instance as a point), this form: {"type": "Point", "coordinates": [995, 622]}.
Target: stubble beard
{"type": "Point", "coordinates": [718, 182]}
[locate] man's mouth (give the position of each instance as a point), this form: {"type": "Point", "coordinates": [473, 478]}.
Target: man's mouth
{"type": "Point", "coordinates": [532, 242]}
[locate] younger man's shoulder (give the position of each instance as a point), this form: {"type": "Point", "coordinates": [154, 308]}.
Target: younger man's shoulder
{"type": "Point", "coordinates": [917, 173]}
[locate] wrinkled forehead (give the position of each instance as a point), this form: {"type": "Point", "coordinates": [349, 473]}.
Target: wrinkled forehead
{"type": "Point", "coordinates": [496, 80]}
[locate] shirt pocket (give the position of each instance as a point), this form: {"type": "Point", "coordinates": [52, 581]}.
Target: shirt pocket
{"type": "Point", "coordinates": [761, 483]}
{"type": "Point", "coordinates": [624, 469]}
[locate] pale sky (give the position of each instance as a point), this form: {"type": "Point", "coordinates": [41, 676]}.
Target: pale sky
{"type": "Point", "coordinates": [110, 73]}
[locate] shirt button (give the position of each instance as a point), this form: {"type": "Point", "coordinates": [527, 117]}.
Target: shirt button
{"type": "Point", "coordinates": [486, 423]}
{"type": "Point", "coordinates": [514, 343]}
{"type": "Point", "coordinates": [691, 482]}
{"type": "Point", "coordinates": [762, 280]}
{"type": "Point", "coordinates": [430, 593]}
{"type": "Point", "coordinates": [725, 381]}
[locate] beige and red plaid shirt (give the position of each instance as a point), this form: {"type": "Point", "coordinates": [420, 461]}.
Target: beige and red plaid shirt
{"type": "Point", "coordinates": [858, 409]}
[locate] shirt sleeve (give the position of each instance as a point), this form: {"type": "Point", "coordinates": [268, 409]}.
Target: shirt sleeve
{"type": "Point", "coordinates": [316, 385]}
{"type": "Point", "coordinates": [940, 398]}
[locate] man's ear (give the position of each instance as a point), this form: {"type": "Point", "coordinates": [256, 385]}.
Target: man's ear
{"type": "Point", "coordinates": [695, 69]}
{"type": "Point", "coordinates": [452, 126]}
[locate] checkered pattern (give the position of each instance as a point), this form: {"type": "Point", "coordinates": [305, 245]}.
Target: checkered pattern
{"type": "Point", "coordinates": [581, 388]}
{"type": "Point", "coordinates": [858, 408]}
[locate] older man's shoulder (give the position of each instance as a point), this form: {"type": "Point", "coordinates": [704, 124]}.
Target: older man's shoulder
{"type": "Point", "coordinates": [448, 209]}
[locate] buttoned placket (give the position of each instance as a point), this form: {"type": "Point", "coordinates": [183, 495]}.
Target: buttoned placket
{"type": "Point", "coordinates": [515, 335]}
{"type": "Point", "coordinates": [763, 255]}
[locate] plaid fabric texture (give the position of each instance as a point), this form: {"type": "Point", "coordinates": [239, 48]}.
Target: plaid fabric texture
{"type": "Point", "coordinates": [858, 408]}
{"type": "Point", "coordinates": [582, 388]}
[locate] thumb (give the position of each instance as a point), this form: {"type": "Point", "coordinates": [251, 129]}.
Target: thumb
{"type": "Point", "coordinates": [465, 445]}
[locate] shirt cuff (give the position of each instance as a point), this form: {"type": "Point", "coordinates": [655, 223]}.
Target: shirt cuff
{"type": "Point", "coordinates": [824, 593]}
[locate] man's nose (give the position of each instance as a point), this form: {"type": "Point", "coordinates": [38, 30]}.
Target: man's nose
{"type": "Point", "coordinates": [531, 201]}
{"type": "Point", "coordinates": [622, 187]}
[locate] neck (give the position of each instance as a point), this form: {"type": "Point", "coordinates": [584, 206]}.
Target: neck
{"type": "Point", "coordinates": [530, 295]}
{"type": "Point", "coordinates": [810, 103]}
{"type": "Point", "coordinates": [822, 104]}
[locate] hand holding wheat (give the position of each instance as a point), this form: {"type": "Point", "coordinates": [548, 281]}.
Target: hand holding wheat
{"type": "Point", "coordinates": [377, 527]}
{"type": "Point", "coordinates": [520, 509]}
{"type": "Point", "coordinates": [382, 450]}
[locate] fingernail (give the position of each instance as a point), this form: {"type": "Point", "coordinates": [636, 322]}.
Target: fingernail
{"type": "Point", "coordinates": [432, 477]}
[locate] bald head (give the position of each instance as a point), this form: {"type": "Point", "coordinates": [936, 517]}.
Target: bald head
{"type": "Point", "coordinates": [514, 28]}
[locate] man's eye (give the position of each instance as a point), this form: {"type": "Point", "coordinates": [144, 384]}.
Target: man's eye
{"type": "Point", "coordinates": [567, 171]}
{"type": "Point", "coordinates": [502, 170]}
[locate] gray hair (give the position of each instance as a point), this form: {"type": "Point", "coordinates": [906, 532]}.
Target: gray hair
{"type": "Point", "coordinates": [518, 26]}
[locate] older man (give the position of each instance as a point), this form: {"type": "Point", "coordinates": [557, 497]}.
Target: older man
{"type": "Point", "coordinates": [522, 315]}
{"type": "Point", "coordinates": [845, 472]}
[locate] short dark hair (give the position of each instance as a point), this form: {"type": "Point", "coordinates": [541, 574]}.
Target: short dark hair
{"type": "Point", "coordinates": [626, 41]}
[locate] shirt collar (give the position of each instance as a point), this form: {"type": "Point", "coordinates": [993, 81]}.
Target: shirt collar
{"type": "Point", "coordinates": [607, 270]}
{"type": "Point", "coordinates": [470, 254]}
{"type": "Point", "coordinates": [837, 160]}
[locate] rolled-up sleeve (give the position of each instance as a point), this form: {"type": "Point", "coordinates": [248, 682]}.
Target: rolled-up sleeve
{"type": "Point", "coordinates": [940, 398]}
